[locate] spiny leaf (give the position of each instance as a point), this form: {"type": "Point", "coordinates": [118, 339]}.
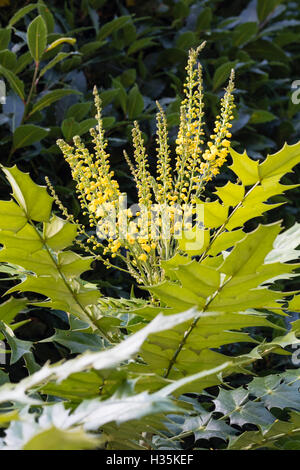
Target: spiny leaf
{"type": "Point", "coordinates": [58, 233]}
{"type": "Point", "coordinates": [12, 216]}
{"type": "Point", "coordinates": [226, 240]}
{"type": "Point", "coordinates": [284, 246]}
{"type": "Point", "coordinates": [107, 359]}
{"type": "Point", "coordinates": [281, 162]}
{"type": "Point", "coordinates": [60, 439]}
{"type": "Point", "coordinates": [10, 308]}
{"type": "Point", "coordinates": [34, 199]}
{"type": "Point", "coordinates": [266, 439]}
{"type": "Point", "coordinates": [18, 347]}
{"type": "Point", "coordinates": [231, 194]}
{"type": "Point", "coordinates": [76, 341]}
{"type": "Point", "coordinates": [241, 410]}
{"type": "Point", "coordinates": [250, 252]}
{"type": "Point", "coordinates": [273, 392]}
{"type": "Point", "coordinates": [215, 214]}
{"type": "Point", "coordinates": [244, 167]}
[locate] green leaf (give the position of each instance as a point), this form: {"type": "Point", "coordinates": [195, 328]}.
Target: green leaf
{"type": "Point", "coordinates": [215, 214]}
{"type": "Point", "coordinates": [86, 125]}
{"type": "Point", "coordinates": [260, 116]}
{"type": "Point", "coordinates": [265, 7]}
{"type": "Point", "coordinates": [232, 402]}
{"type": "Point", "coordinates": [47, 15]}
{"type": "Point", "coordinates": [21, 13]}
{"type": "Point", "coordinates": [28, 134]}
{"type": "Point", "coordinates": [222, 74]}
{"type": "Point", "coordinates": [135, 103]}
{"type": "Point", "coordinates": [128, 77]}
{"type": "Point", "coordinates": [274, 393]}
{"type": "Point", "coordinates": [5, 35]}
{"type": "Point", "coordinates": [244, 167]}
{"type": "Point", "coordinates": [231, 194]}
{"type": "Point", "coordinates": [226, 240]}
{"type": "Point", "coordinates": [59, 439]}
{"type": "Point", "coordinates": [266, 50]}
{"type": "Point", "coordinates": [37, 38]}
{"type": "Point", "coordinates": [176, 296]}
{"type": "Point", "coordinates": [17, 346]}
{"type": "Point", "coordinates": [281, 162]}
{"type": "Point", "coordinates": [69, 128]}
{"type": "Point", "coordinates": [16, 84]}
{"type": "Point", "coordinates": [8, 59]}
{"type": "Point", "coordinates": [194, 242]}
{"type": "Point", "coordinates": [6, 418]}
{"type": "Point", "coordinates": [51, 97]}
{"type": "Point", "coordinates": [108, 96]}
{"type": "Point", "coordinates": [58, 58]}
{"type": "Point", "coordinates": [204, 20]}
{"type": "Point", "coordinates": [91, 47]}
{"type": "Point", "coordinates": [78, 111]}
{"type": "Point", "coordinates": [24, 60]}
{"type": "Point", "coordinates": [76, 341]}
{"type": "Point", "coordinates": [294, 304]}
{"type": "Point", "coordinates": [58, 233]}
{"type": "Point", "coordinates": [10, 308]}
{"type": "Point", "coordinates": [59, 41]}
{"type": "Point", "coordinates": [121, 97]}
{"type": "Point", "coordinates": [284, 246]}
{"type": "Point", "coordinates": [203, 280]}
{"type": "Point", "coordinates": [139, 44]}
{"type": "Point", "coordinates": [101, 360]}
{"type": "Point", "coordinates": [113, 26]}
{"type": "Point", "coordinates": [244, 33]}
{"type": "Point", "coordinates": [250, 252]}
{"type": "Point", "coordinates": [12, 216]}
{"type": "Point", "coordinates": [266, 439]}
{"type": "Point", "coordinates": [186, 40]}
{"type": "Point", "coordinates": [32, 198]}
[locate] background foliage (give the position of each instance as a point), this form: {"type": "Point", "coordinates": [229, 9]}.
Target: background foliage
{"type": "Point", "coordinates": [135, 52]}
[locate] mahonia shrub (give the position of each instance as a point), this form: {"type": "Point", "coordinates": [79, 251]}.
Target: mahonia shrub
{"type": "Point", "coordinates": [216, 322]}
{"type": "Point", "coordinates": [166, 203]}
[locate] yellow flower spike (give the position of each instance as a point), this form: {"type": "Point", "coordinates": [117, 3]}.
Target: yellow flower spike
{"type": "Point", "coordinates": [196, 163]}
{"type": "Point", "coordinates": [142, 175]}
{"type": "Point", "coordinates": [164, 171]}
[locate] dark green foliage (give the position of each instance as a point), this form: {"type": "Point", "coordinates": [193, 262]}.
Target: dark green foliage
{"type": "Point", "coordinates": [135, 53]}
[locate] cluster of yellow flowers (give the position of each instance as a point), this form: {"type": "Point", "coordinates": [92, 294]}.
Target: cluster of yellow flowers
{"type": "Point", "coordinates": [145, 236]}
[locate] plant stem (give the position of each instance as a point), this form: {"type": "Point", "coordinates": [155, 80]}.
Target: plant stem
{"type": "Point", "coordinates": [53, 259]}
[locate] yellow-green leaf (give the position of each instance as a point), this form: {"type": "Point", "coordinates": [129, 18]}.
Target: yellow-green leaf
{"type": "Point", "coordinates": [34, 199]}
{"type": "Point", "coordinates": [37, 37]}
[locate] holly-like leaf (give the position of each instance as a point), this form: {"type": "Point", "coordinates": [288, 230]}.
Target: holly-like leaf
{"type": "Point", "coordinates": [58, 233]}
{"type": "Point", "coordinates": [32, 198]}
{"type": "Point", "coordinates": [12, 216]}
{"type": "Point", "coordinates": [273, 392]}
{"type": "Point", "coordinates": [235, 403]}
{"type": "Point", "coordinates": [10, 308]}
{"type": "Point", "coordinates": [17, 346]}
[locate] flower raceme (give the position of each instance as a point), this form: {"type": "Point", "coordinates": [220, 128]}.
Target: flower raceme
{"type": "Point", "coordinates": [167, 204]}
